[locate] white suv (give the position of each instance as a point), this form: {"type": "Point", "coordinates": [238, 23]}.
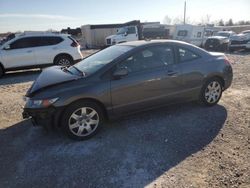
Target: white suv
{"type": "Point", "coordinates": [36, 50]}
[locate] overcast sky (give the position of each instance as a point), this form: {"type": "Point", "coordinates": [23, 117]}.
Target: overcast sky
{"type": "Point", "coordinates": [20, 15]}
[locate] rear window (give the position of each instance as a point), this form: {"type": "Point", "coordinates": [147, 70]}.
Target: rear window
{"type": "Point", "coordinates": [187, 55]}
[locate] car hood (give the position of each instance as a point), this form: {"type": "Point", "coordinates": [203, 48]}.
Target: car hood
{"type": "Point", "coordinates": [111, 37]}
{"type": "Point", "coordinates": [240, 37]}
{"type": "Point", "coordinates": [218, 37]}
{"type": "Point", "coordinates": [49, 77]}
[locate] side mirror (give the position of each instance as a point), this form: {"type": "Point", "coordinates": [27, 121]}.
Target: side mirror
{"type": "Point", "coordinates": [7, 47]}
{"type": "Point", "coordinates": [126, 33]}
{"type": "Point", "coordinates": [119, 73]}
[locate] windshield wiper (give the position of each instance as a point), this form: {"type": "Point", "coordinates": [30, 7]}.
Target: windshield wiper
{"type": "Point", "coordinates": [82, 73]}
{"type": "Point", "coordinates": [66, 70]}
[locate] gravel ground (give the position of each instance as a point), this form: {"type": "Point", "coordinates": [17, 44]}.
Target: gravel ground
{"type": "Point", "coordinates": [178, 146]}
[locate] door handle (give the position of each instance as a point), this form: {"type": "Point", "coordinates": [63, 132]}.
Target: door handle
{"type": "Point", "coordinates": [29, 51]}
{"type": "Point", "coordinates": [172, 73]}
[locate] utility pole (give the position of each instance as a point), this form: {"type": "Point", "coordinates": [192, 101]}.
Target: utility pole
{"type": "Point", "coordinates": [185, 12]}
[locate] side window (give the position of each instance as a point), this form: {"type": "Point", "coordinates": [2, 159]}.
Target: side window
{"type": "Point", "coordinates": [23, 43]}
{"type": "Point", "coordinates": [186, 55]}
{"type": "Point", "coordinates": [182, 33]}
{"type": "Point", "coordinates": [54, 40]}
{"type": "Point", "coordinates": [199, 35]}
{"type": "Point", "coordinates": [131, 30]}
{"type": "Point", "coordinates": [47, 41]}
{"type": "Point", "coordinates": [148, 59]}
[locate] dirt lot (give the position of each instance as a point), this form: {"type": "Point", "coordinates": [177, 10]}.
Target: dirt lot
{"type": "Point", "coordinates": [179, 146]}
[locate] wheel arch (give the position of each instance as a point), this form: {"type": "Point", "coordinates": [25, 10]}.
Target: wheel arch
{"type": "Point", "coordinates": [1, 66]}
{"type": "Point", "coordinates": [104, 110]}
{"type": "Point", "coordinates": [62, 54]}
{"type": "Point", "coordinates": [217, 76]}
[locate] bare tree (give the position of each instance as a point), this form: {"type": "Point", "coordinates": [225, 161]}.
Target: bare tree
{"type": "Point", "coordinates": [221, 23]}
{"type": "Point", "coordinates": [205, 20]}
{"type": "Point", "coordinates": [230, 22]}
{"type": "Point", "coordinates": [167, 20]}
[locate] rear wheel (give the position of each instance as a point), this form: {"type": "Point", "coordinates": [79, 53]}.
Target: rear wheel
{"type": "Point", "coordinates": [82, 120]}
{"type": "Point", "coordinates": [63, 60]}
{"type": "Point", "coordinates": [211, 92]}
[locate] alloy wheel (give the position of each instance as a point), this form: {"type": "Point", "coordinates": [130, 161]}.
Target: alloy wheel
{"type": "Point", "coordinates": [83, 121]}
{"type": "Point", "coordinates": [213, 92]}
{"type": "Point", "coordinates": [63, 62]}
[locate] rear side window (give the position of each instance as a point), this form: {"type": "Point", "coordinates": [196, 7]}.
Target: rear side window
{"type": "Point", "coordinates": [47, 41]}
{"type": "Point", "coordinates": [182, 33]}
{"type": "Point", "coordinates": [186, 55]}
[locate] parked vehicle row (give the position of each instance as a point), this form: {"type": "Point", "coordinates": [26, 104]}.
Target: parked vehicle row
{"type": "Point", "coordinates": [35, 50]}
{"type": "Point", "coordinates": [240, 41]}
{"type": "Point", "coordinates": [123, 79]}
{"type": "Point", "coordinates": [138, 31]}
{"type": "Point", "coordinates": [220, 41]}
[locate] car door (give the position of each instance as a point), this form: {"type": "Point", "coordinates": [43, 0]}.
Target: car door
{"type": "Point", "coordinates": [153, 79]}
{"type": "Point", "coordinates": [47, 49]}
{"type": "Point", "coordinates": [19, 53]}
{"type": "Point", "coordinates": [132, 33]}
{"type": "Point", "coordinates": [190, 62]}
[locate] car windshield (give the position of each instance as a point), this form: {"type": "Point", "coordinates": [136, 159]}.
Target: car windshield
{"type": "Point", "coordinates": [122, 30]}
{"type": "Point", "coordinates": [223, 34]}
{"type": "Point", "coordinates": [93, 63]}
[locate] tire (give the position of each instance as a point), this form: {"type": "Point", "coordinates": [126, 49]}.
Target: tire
{"type": "Point", "coordinates": [231, 50]}
{"type": "Point", "coordinates": [211, 92]}
{"type": "Point", "coordinates": [77, 118]}
{"type": "Point", "coordinates": [224, 47]}
{"type": "Point", "coordinates": [63, 60]}
{"type": "Point", "coordinates": [1, 71]}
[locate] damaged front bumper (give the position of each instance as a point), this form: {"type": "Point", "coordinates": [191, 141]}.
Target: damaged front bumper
{"type": "Point", "coordinates": [45, 117]}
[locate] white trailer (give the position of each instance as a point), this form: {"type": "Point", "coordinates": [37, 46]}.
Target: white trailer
{"type": "Point", "coordinates": [190, 33]}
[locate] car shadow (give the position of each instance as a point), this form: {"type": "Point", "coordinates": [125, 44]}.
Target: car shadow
{"type": "Point", "coordinates": [19, 77]}
{"type": "Point", "coordinates": [131, 152]}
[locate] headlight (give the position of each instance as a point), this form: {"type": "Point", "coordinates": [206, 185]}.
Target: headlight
{"type": "Point", "coordinates": [43, 103]}
{"type": "Point", "coordinates": [224, 41]}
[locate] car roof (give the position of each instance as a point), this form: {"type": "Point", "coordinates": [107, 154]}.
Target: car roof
{"type": "Point", "coordinates": [150, 42]}
{"type": "Point", "coordinates": [40, 34]}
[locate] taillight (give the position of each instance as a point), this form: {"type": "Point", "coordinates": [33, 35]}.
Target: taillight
{"type": "Point", "coordinates": [74, 44]}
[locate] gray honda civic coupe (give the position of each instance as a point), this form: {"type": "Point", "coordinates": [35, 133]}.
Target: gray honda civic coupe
{"type": "Point", "coordinates": [124, 79]}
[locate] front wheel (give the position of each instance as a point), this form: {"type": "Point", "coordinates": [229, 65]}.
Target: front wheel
{"type": "Point", "coordinates": [82, 120]}
{"type": "Point", "coordinates": [211, 92]}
